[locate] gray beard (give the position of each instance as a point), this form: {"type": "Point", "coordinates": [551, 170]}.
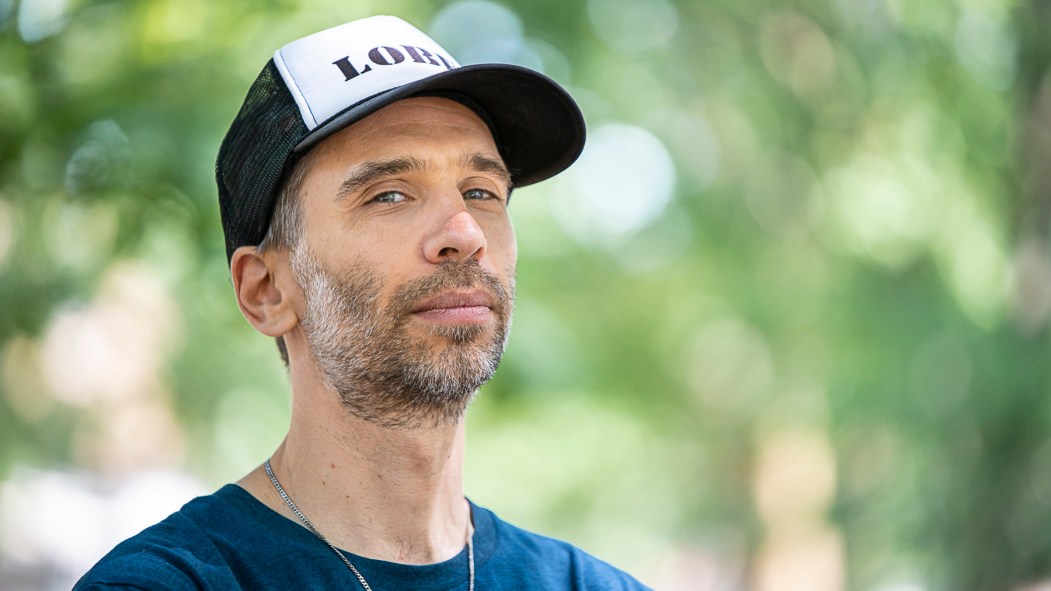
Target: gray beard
{"type": "Point", "coordinates": [381, 373]}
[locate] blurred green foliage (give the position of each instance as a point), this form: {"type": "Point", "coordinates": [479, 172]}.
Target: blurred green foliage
{"type": "Point", "coordinates": [848, 287]}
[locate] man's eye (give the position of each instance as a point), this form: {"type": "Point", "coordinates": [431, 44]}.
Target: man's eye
{"type": "Point", "coordinates": [389, 197]}
{"type": "Point", "coordinates": [478, 194]}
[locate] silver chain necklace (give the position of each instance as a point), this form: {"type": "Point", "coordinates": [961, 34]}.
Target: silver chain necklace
{"type": "Point", "coordinates": [343, 557]}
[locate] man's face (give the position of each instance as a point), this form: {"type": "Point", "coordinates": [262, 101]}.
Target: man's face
{"type": "Point", "coordinates": [407, 262]}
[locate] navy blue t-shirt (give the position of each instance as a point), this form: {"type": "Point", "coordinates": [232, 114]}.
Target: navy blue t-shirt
{"type": "Point", "coordinates": [230, 540]}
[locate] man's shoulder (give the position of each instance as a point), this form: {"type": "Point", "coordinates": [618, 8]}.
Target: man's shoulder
{"type": "Point", "coordinates": [179, 552]}
{"type": "Point", "coordinates": [537, 558]}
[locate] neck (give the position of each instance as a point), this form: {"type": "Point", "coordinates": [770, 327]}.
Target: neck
{"type": "Point", "coordinates": [389, 494]}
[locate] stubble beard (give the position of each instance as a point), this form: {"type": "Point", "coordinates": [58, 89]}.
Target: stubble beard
{"type": "Point", "coordinates": [384, 371]}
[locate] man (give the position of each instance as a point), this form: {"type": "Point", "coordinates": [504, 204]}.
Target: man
{"type": "Point", "coordinates": [363, 189]}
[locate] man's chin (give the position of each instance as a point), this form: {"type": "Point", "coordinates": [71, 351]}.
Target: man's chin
{"type": "Point", "coordinates": [463, 334]}
{"type": "Point", "coordinates": [452, 333]}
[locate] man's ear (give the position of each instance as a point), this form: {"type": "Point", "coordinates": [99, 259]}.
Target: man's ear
{"type": "Point", "coordinates": [263, 300]}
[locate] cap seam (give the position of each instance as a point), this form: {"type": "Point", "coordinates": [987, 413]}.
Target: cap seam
{"type": "Point", "coordinates": [293, 87]}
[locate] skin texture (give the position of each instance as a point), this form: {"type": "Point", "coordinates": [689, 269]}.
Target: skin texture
{"type": "Point", "coordinates": [375, 486]}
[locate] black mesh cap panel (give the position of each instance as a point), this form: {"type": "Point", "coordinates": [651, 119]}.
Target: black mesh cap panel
{"type": "Point", "coordinates": [254, 157]}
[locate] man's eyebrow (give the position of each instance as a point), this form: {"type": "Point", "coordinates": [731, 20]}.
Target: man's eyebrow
{"type": "Point", "coordinates": [375, 170]}
{"type": "Point", "coordinates": [482, 163]}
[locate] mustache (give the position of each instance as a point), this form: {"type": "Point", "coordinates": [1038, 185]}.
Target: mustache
{"type": "Point", "coordinates": [450, 275]}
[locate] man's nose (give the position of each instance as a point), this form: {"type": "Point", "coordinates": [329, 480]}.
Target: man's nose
{"type": "Point", "coordinates": [458, 238]}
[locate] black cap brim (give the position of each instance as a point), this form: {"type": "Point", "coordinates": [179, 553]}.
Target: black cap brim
{"type": "Point", "coordinates": [538, 127]}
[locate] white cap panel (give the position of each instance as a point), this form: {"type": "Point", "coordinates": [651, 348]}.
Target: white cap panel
{"type": "Point", "coordinates": [329, 71]}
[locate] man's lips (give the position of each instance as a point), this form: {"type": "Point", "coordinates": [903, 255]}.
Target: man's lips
{"type": "Point", "coordinates": [456, 307]}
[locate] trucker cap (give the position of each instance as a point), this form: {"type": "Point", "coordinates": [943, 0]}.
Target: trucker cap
{"type": "Point", "coordinates": [320, 84]}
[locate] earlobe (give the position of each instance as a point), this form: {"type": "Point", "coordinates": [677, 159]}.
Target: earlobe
{"type": "Point", "coordinates": [259, 295]}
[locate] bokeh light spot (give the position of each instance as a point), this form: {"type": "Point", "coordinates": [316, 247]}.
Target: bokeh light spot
{"type": "Point", "coordinates": [986, 48]}
{"type": "Point", "coordinates": [877, 213]}
{"type": "Point", "coordinates": [80, 235]}
{"type": "Point", "coordinates": [476, 31]}
{"type": "Point", "coordinates": [797, 53]}
{"type": "Point", "coordinates": [39, 19]}
{"type": "Point", "coordinates": [114, 348]}
{"type": "Point", "coordinates": [975, 263]}
{"type": "Point", "coordinates": [623, 180]}
{"type": "Point", "coordinates": [730, 366]}
{"type": "Point", "coordinates": [6, 9]}
{"type": "Point", "coordinates": [7, 230]}
{"type": "Point", "coordinates": [21, 384]}
{"type": "Point", "coordinates": [634, 25]}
